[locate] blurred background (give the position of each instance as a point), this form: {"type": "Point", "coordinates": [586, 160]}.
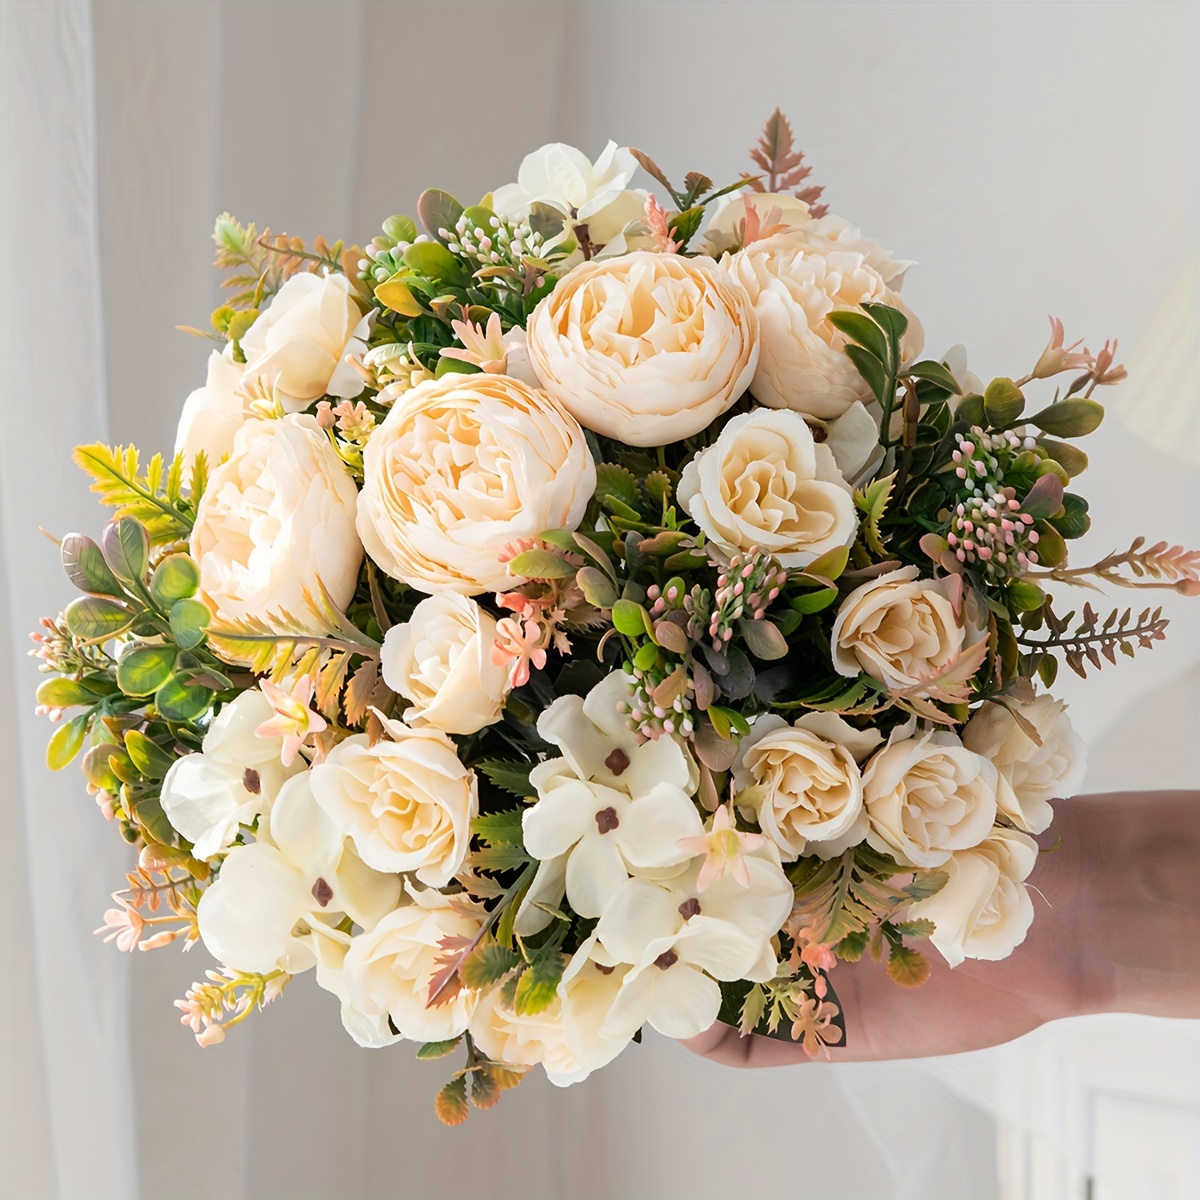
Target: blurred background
{"type": "Point", "coordinates": [1033, 158]}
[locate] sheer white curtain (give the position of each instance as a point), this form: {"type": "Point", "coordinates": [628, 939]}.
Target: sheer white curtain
{"type": "Point", "coordinates": [1034, 158]}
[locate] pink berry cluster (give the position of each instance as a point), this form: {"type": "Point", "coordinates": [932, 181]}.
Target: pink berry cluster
{"type": "Point", "coordinates": [745, 589]}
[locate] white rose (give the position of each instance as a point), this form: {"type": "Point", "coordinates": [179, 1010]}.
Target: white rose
{"type": "Point", "coordinates": [276, 522]}
{"type": "Point", "coordinates": [214, 413]}
{"type": "Point", "coordinates": [802, 782]}
{"type": "Point", "coordinates": [441, 660]}
{"type": "Point", "coordinates": [927, 796]}
{"type": "Point", "coordinates": [794, 283]}
{"type": "Point", "coordinates": [1031, 775]}
{"type": "Point", "coordinates": [300, 879]}
{"type": "Point", "coordinates": [387, 970]}
{"type": "Point", "coordinates": [592, 197]}
{"type": "Point", "coordinates": [765, 483]}
{"type": "Point", "coordinates": [506, 1036]}
{"type": "Point", "coordinates": [208, 796]}
{"type": "Point", "coordinates": [984, 910]}
{"type": "Point", "coordinates": [463, 466]}
{"type": "Point", "coordinates": [299, 344]}
{"type": "Point", "coordinates": [899, 629]}
{"type": "Point", "coordinates": [406, 803]}
{"type": "Point", "coordinates": [647, 348]}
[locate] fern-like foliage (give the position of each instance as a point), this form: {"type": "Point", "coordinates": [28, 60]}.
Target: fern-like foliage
{"type": "Point", "coordinates": [158, 498]}
{"type": "Point", "coordinates": [1092, 639]}
{"type": "Point", "coordinates": [776, 155]}
{"type": "Point", "coordinates": [1159, 566]}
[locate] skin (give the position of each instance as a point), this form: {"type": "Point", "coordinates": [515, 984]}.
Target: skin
{"type": "Point", "coordinates": [1116, 929]}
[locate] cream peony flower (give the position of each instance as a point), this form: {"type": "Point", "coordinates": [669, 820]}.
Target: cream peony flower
{"type": "Point", "coordinates": [387, 970]}
{"type": "Point", "coordinates": [298, 880]}
{"type": "Point", "coordinates": [506, 1036]}
{"type": "Point", "coordinates": [462, 467]}
{"type": "Point", "coordinates": [208, 796]}
{"type": "Point", "coordinates": [984, 910]}
{"type": "Point", "coordinates": [926, 796]}
{"type": "Point", "coordinates": [1031, 775]}
{"type": "Point", "coordinates": [802, 782]}
{"type": "Point", "coordinates": [592, 197]}
{"type": "Point", "coordinates": [899, 629]}
{"type": "Point", "coordinates": [765, 483]}
{"type": "Point", "coordinates": [275, 526]}
{"type": "Point", "coordinates": [441, 660]}
{"type": "Point", "coordinates": [214, 413]}
{"type": "Point", "coordinates": [648, 348]}
{"type": "Point", "coordinates": [680, 939]}
{"type": "Point", "coordinates": [725, 229]}
{"type": "Point", "coordinates": [406, 803]}
{"type": "Point", "coordinates": [609, 805]}
{"type": "Point", "coordinates": [794, 282]}
{"type": "Point", "coordinates": [297, 347]}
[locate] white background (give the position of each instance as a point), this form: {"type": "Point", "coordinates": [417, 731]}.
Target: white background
{"type": "Point", "coordinates": [1033, 157]}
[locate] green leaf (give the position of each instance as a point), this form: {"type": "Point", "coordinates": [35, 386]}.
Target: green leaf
{"type": "Point", "coordinates": [1047, 669]}
{"type": "Point", "coordinates": [922, 927]}
{"type": "Point", "coordinates": [499, 858]}
{"type": "Point", "coordinates": [683, 225]}
{"type": "Point", "coordinates": [970, 410]}
{"type": "Point", "coordinates": [438, 210]}
{"type": "Point", "coordinates": [1003, 402]}
{"type": "Point", "coordinates": [538, 985]}
{"type": "Point", "coordinates": [512, 777]}
{"type": "Point", "coordinates": [126, 547]}
{"type": "Point", "coordinates": [856, 325]}
{"type": "Point", "coordinates": [85, 566]}
{"type": "Point", "coordinates": [149, 758]}
{"type": "Point", "coordinates": [1044, 499]}
{"type": "Point", "coordinates": [1073, 521]}
{"type": "Point", "coordinates": [852, 947]}
{"type": "Point", "coordinates": [66, 742]}
{"type": "Point", "coordinates": [177, 702]}
{"type": "Point", "coordinates": [617, 481]}
{"type": "Point", "coordinates": [728, 721]}
{"type": "Point", "coordinates": [596, 587]}
{"type": "Point", "coordinates": [175, 578]}
{"type": "Point", "coordinates": [935, 373]}
{"type": "Point", "coordinates": [1070, 458]}
{"type": "Point", "coordinates": [400, 229]}
{"type": "Point", "coordinates": [451, 1102]}
{"type": "Point", "coordinates": [925, 884]}
{"type": "Point", "coordinates": [907, 967]}
{"type": "Point", "coordinates": [830, 565]}
{"type": "Point", "coordinates": [487, 964]}
{"type": "Point", "coordinates": [433, 261]}
{"type": "Point", "coordinates": [189, 619]}
{"type": "Point", "coordinates": [1023, 596]}
{"type": "Point", "coordinates": [93, 618]}
{"type": "Point", "coordinates": [500, 829]}
{"type": "Point", "coordinates": [658, 487]}
{"type": "Point", "coordinates": [870, 368]}
{"type": "Point", "coordinates": [541, 564]}
{"type": "Point", "coordinates": [630, 618]}
{"type": "Point", "coordinates": [873, 503]}
{"type": "Point", "coordinates": [811, 602]}
{"type": "Point", "coordinates": [438, 1049]}
{"type": "Point", "coordinates": [1069, 418]}
{"type": "Point", "coordinates": [763, 639]}
{"type": "Point", "coordinates": [891, 320]}
{"type": "Point", "coordinates": [144, 669]}
{"type": "Point", "coordinates": [66, 693]}
{"type": "Point", "coordinates": [395, 294]}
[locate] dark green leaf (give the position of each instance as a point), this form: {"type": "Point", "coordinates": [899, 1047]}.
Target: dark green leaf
{"type": "Point", "coordinates": [512, 777]}
{"type": "Point", "coordinates": [1073, 521]}
{"type": "Point", "coordinates": [683, 225]}
{"type": "Point", "coordinates": [177, 702]}
{"type": "Point", "coordinates": [487, 964]}
{"type": "Point", "coordinates": [970, 409]}
{"type": "Point", "coordinates": [1003, 403]}
{"type": "Point", "coordinates": [93, 618]}
{"type": "Point", "coordinates": [1023, 596]}
{"type": "Point", "coordinates": [500, 829]}
{"type": "Point", "coordinates": [870, 368]}
{"type": "Point", "coordinates": [891, 320]}
{"type": "Point", "coordinates": [617, 481]}
{"type": "Point", "coordinates": [499, 858]}
{"type": "Point", "coordinates": [1069, 418]}
{"type": "Point", "coordinates": [852, 946]}
{"type": "Point", "coordinates": [144, 669]}
{"type": "Point", "coordinates": [189, 619]}
{"type": "Point", "coordinates": [438, 210]}
{"type": "Point", "coordinates": [1070, 458]}
{"type": "Point", "coordinates": [85, 566]}
{"type": "Point", "coordinates": [860, 328]}
{"type": "Point", "coordinates": [438, 1049]}
{"type": "Point", "coordinates": [175, 578]}
{"type": "Point", "coordinates": [936, 373]}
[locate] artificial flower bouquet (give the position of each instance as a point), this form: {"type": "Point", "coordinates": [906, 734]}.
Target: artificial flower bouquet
{"type": "Point", "coordinates": [583, 611]}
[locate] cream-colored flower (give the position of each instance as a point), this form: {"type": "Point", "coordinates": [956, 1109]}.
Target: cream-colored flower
{"type": "Point", "coordinates": [213, 413]}
{"type": "Point", "coordinates": [406, 802]}
{"type": "Point", "coordinates": [462, 467]}
{"type": "Point", "coordinates": [802, 782]}
{"type": "Point", "coordinates": [926, 795]}
{"type": "Point", "coordinates": [208, 796]}
{"type": "Point", "coordinates": [297, 348]}
{"type": "Point", "coordinates": [534, 1039]}
{"type": "Point", "coordinates": [794, 282]}
{"type": "Point", "coordinates": [899, 629]}
{"type": "Point", "coordinates": [647, 348]}
{"type": "Point", "coordinates": [591, 197]}
{"type": "Point", "coordinates": [441, 660]}
{"type": "Point", "coordinates": [1031, 775]}
{"type": "Point", "coordinates": [275, 526]}
{"type": "Point", "coordinates": [726, 227]}
{"type": "Point", "coordinates": [387, 970]}
{"type": "Point", "coordinates": [984, 909]}
{"type": "Point", "coordinates": [299, 880]}
{"type": "Point", "coordinates": [765, 483]}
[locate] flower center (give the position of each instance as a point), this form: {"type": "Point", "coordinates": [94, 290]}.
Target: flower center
{"type": "Point", "coordinates": [606, 820]}
{"type": "Point", "coordinates": [668, 958]}
{"type": "Point", "coordinates": [689, 908]}
{"type": "Point", "coordinates": [617, 762]}
{"type": "Point", "coordinates": [322, 893]}
{"type": "Point", "coordinates": [251, 781]}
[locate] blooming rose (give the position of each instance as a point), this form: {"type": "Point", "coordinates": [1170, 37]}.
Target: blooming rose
{"type": "Point", "coordinates": [441, 660]}
{"type": "Point", "coordinates": [802, 782]}
{"type": "Point", "coordinates": [406, 803]}
{"type": "Point", "coordinates": [795, 282]}
{"type": "Point", "coordinates": [214, 413]}
{"type": "Point", "coordinates": [648, 348]}
{"type": "Point", "coordinates": [984, 909]}
{"type": "Point", "coordinates": [298, 880]}
{"type": "Point", "coordinates": [460, 468]}
{"type": "Point", "coordinates": [899, 629]}
{"type": "Point", "coordinates": [765, 483]}
{"type": "Point", "coordinates": [387, 970]}
{"type": "Point", "coordinates": [506, 1036]}
{"type": "Point", "coordinates": [207, 796]}
{"type": "Point", "coordinates": [927, 796]}
{"type": "Point", "coordinates": [592, 197]}
{"type": "Point", "coordinates": [1031, 775]}
{"type": "Point", "coordinates": [298, 345]}
{"type": "Point", "coordinates": [275, 527]}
